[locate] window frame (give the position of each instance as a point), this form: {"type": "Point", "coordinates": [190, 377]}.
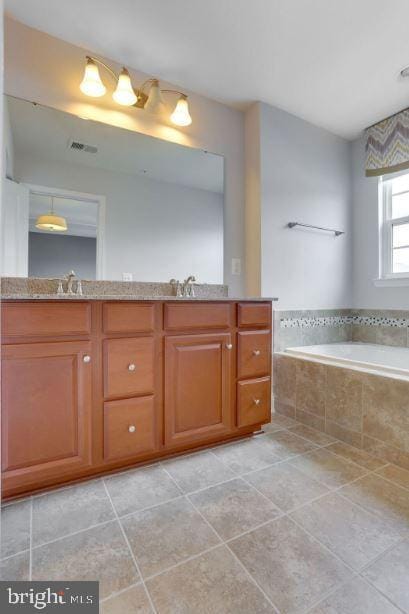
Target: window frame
{"type": "Point", "coordinates": [386, 224]}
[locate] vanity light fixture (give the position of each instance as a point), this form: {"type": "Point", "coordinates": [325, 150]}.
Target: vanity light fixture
{"type": "Point", "coordinates": [51, 222]}
{"type": "Point", "coordinates": [125, 94]}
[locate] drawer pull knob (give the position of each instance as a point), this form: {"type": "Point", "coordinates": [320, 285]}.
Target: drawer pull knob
{"type": "Point", "coordinates": [132, 428]}
{"type": "Point", "coordinates": [131, 367]}
{"type": "Point", "coordinates": [86, 358]}
{"type": "Point", "coordinates": [256, 352]}
{"type": "Point", "coordinates": [256, 401]}
{"type": "Point", "coordinates": [229, 346]}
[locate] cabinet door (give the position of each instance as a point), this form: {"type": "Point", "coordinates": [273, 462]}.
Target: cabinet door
{"type": "Point", "coordinates": [46, 404]}
{"type": "Point", "coordinates": [197, 387]}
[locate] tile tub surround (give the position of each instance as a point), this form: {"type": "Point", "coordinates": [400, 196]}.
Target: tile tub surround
{"type": "Point", "coordinates": [364, 410]}
{"type": "Point", "coordinates": [295, 522]}
{"type": "Point", "coordinates": [314, 327]}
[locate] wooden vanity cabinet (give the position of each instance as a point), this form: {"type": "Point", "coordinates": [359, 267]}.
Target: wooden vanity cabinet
{"type": "Point", "coordinates": [197, 387]}
{"type": "Point", "coordinates": [90, 387]}
{"type": "Point", "coordinates": [46, 412]}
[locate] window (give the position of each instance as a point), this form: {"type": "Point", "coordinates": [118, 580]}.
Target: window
{"type": "Point", "coordinates": [394, 227]}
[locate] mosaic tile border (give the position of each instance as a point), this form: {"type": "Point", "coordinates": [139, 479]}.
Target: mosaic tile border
{"type": "Point", "coordinates": [334, 321]}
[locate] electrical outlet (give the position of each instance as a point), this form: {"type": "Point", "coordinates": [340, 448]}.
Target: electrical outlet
{"type": "Point", "coordinates": [236, 266]}
{"type": "Point", "coordinates": [127, 276]}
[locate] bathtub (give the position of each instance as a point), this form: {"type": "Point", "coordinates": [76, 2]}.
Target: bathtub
{"type": "Point", "coordinates": [355, 392]}
{"type": "Point", "coordinates": [381, 359]}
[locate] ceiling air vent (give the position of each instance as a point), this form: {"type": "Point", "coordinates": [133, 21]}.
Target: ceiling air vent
{"type": "Point", "coordinates": [78, 146]}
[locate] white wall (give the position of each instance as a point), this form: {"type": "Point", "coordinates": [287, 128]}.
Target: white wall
{"type": "Point", "coordinates": [304, 177]}
{"type": "Point", "coordinates": [365, 225]}
{"type": "Point", "coordinates": [154, 230]}
{"type": "Point", "coordinates": [47, 70]}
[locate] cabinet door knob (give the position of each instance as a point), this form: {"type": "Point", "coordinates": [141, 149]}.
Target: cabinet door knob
{"type": "Point", "coordinates": [131, 367]}
{"type": "Point", "coordinates": [229, 346]}
{"type": "Point", "coordinates": [132, 428]}
{"type": "Point", "coordinates": [256, 352]}
{"type": "Point", "coordinates": [86, 358]}
{"type": "Point", "coordinates": [256, 401]}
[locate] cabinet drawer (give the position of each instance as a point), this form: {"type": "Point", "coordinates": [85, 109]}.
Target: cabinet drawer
{"type": "Point", "coordinates": [129, 428]}
{"type": "Point", "coordinates": [128, 366]}
{"type": "Point", "coordinates": [41, 319]}
{"type": "Point", "coordinates": [128, 317]}
{"type": "Point", "coordinates": [254, 314]}
{"type": "Point", "coordinates": [182, 316]}
{"type": "Point", "coordinates": [254, 353]}
{"type": "Point", "coordinates": [254, 401]}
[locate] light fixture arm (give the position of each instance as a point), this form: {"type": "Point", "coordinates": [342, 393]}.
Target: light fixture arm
{"type": "Point", "coordinates": [174, 92]}
{"type": "Point", "coordinates": [101, 63]}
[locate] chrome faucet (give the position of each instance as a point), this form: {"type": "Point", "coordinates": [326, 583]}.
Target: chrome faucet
{"type": "Point", "coordinates": [175, 283]}
{"type": "Point", "coordinates": [70, 278]}
{"type": "Point", "coordinates": [187, 286]}
{"type": "Point", "coordinates": [70, 282]}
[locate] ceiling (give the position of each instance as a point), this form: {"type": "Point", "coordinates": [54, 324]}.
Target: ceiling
{"type": "Point", "coordinates": [81, 216]}
{"type": "Point", "coordinates": [334, 63]}
{"type": "Point", "coordinates": [46, 133]}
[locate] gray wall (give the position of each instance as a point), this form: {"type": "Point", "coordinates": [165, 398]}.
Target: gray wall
{"type": "Point", "coordinates": [365, 225]}
{"type": "Point", "coordinates": [305, 176]}
{"type": "Point", "coordinates": [154, 230]}
{"type": "Point", "coordinates": [55, 255]}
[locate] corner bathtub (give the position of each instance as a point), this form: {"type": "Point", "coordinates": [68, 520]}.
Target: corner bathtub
{"type": "Point", "coordinates": [380, 359]}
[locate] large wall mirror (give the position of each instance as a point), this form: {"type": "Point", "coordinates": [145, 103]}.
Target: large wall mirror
{"type": "Point", "coordinates": [106, 202]}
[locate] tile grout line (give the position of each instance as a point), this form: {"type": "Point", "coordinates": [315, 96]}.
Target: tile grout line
{"type": "Point", "coordinates": [180, 563]}
{"type": "Point", "coordinates": [382, 554]}
{"type": "Point", "coordinates": [378, 590]}
{"type": "Point", "coordinates": [149, 507]}
{"type": "Point", "coordinates": [10, 556]}
{"type": "Point", "coordinates": [356, 572]}
{"type": "Point", "coordinates": [328, 594]}
{"type": "Point", "coordinates": [121, 592]}
{"type": "Point", "coordinates": [130, 549]}
{"type": "Point", "coordinates": [94, 526]}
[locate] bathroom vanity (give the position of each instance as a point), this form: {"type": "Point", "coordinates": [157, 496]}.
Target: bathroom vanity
{"type": "Point", "coordinates": [91, 386]}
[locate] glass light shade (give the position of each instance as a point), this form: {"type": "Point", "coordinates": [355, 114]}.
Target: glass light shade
{"type": "Point", "coordinates": [91, 85]}
{"type": "Point", "coordinates": [124, 93]}
{"type": "Point", "coordinates": [155, 103]}
{"type": "Point", "coordinates": [181, 115]}
{"type": "Point", "coordinates": [51, 222]}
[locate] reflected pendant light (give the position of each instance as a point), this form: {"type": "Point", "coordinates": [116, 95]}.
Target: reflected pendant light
{"type": "Point", "coordinates": [51, 222]}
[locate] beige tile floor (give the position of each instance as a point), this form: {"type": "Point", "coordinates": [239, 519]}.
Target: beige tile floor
{"type": "Point", "coordinates": [290, 521]}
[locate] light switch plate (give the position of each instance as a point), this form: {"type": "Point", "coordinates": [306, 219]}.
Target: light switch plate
{"type": "Point", "coordinates": [236, 266]}
{"type": "Point", "coordinates": [127, 276]}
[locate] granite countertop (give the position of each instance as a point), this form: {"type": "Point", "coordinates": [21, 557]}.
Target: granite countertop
{"type": "Point", "coordinates": [35, 288]}
{"type": "Point", "coordinates": [130, 297]}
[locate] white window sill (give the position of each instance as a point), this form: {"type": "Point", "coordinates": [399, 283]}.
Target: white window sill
{"type": "Point", "coordinates": [391, 281]}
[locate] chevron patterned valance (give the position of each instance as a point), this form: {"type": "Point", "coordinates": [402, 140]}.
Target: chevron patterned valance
{"type": "Point", "coordinates": [387, 145]}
